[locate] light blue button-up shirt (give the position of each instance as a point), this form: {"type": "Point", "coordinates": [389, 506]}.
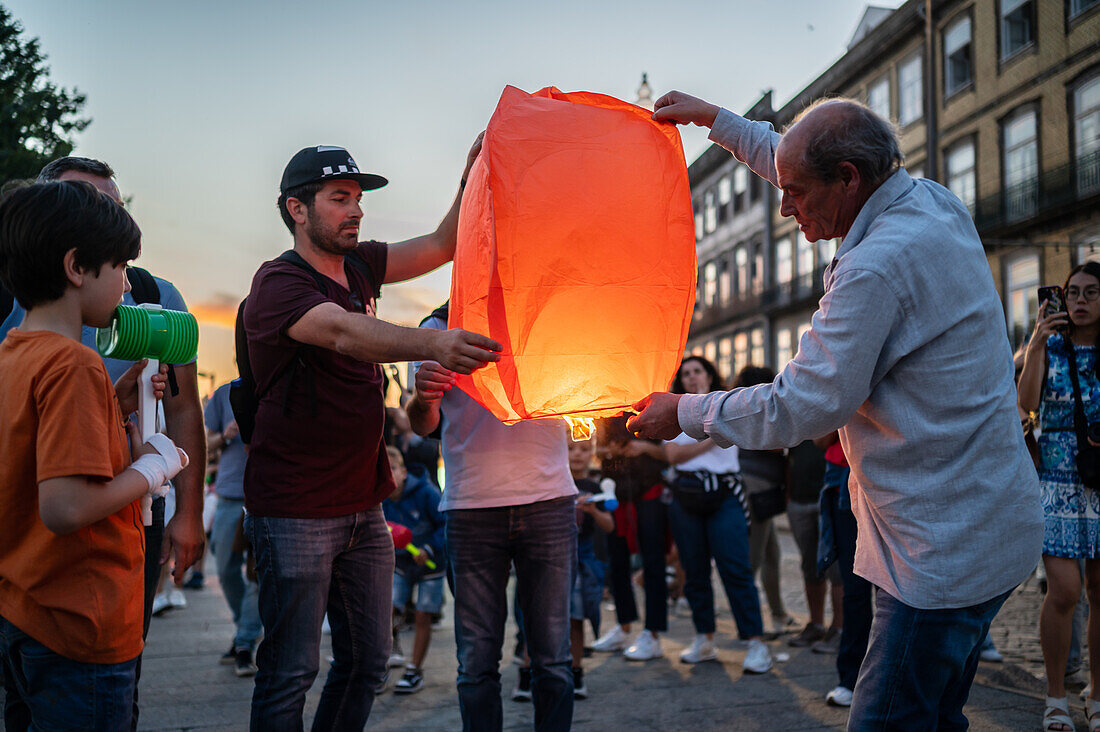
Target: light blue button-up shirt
{"type": "Point", "coordinates": [907, 355]}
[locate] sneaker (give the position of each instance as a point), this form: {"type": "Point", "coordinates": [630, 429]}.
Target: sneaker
{"type": "Point", "coordinates": [759, 659]}
{"type": "Point", "coordinates": [683, 608]}
{"type": "Point", "coordinates": [580, 691]}
{"type": "Point", "coordinates": [991, 655]}
{"type": "Point", "coordinates": [397, 657]}
{"type": "Point", "coordinates": [701, 649]}
{"type": "Point", "coordinates": [381, 686]}
{"type": "Point", "coordinates": [612, 641]}
{"type": "Point", "coordinates": [176, 598]}
{"type": "Point", "coordinates": [243, 663]}
{"type": "Point", "coordinates": [645, 647]}
{"type": "Point", "coordinates": [410, 683]}
{"type": "Point", "coordinates": [811, 634]}
{"type": "Point", "coordinates": [841, 696]}
{"type": "Point", "coordinates": [522, 692]}
{"type": "Point", "coordinates": [194, 582]}
{"type": "Point", "coordinates": [161, 604]}
{"type": "Point", "coordinates": [229, 657]}
{"type": "Point", "coordinates": [829, 644]}
{"type": "Point", "coordinates": [783, 624]}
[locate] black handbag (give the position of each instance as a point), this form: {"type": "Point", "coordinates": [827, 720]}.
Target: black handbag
{"type": "Point", "coordinates": [1088, 456]}
{"type": "Point", "coordinates": [768, 503]}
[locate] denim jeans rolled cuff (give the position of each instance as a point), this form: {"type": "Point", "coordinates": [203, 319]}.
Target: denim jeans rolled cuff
{"type": "Point", "coordinates": [97, 696]}
{"type": "Point", "coordinates": [723, 537]}
{"type": "Point", "coordinates": [482, 544]}
{"type": "Point", "coordinates": [241, 595]}
{"type": "Point", "coordinates": [920, 665]}
{"type": "Point", "coordinates": [307, 567]}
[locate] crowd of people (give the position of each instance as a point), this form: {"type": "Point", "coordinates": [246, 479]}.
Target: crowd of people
{"type": "Point", "coordinates": [892, 440]}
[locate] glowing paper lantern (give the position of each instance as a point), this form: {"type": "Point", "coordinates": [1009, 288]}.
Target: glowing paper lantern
{"type": "Point", "coordinates": [576, 250]}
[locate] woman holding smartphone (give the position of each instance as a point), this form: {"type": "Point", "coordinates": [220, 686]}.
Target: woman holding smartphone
{"type": "Point", "coordinates": [1062, 341]}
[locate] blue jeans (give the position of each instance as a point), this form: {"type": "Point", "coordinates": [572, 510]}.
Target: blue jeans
{"type": "Point", "coordinates": [242, 595]}
{"type": "Point", "coordinates": [919, 665]}
{"type": "Point", "coordinates": [857, 603]}
{"type": "Point", "coordinates": [51, 692]}
{"type": "Point", "coordinates": [342, 565]}
{"type": "Point", "coordinates": [541, 538]}
{"type": "Point", "coordinates": [724, 536]}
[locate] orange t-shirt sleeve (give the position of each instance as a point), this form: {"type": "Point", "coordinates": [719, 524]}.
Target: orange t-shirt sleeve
{"type": "Point", "coordinates": [77, 414]}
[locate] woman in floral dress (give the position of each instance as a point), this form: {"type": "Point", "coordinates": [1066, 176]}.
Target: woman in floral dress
{"type": "Point", "coordinates": [1071, 511]}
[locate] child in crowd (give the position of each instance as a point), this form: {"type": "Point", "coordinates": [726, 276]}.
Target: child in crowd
{"type": "Point", "coordinates": [589, 579]}
{"type": "Point", "coordinates": [414, 504]}
{"type": "Point", "coordinates": [71, 537]}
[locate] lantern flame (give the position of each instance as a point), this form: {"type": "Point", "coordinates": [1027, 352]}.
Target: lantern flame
{"type": "Point", "coordinates": [581, 428]}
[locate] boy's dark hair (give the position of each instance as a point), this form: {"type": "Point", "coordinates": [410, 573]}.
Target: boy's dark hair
{"type": "Point", "coordinates": [753, 375]}
{"type": "Point", "coordinates": [304, 193]}
{"type": "Point", "coordinates": [55, 168]}
{"type": "Point", "coordinates": [41, 222]}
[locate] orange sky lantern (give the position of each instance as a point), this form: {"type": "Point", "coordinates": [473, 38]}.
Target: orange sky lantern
{"type": "Point", "coordinates": [576, 250]}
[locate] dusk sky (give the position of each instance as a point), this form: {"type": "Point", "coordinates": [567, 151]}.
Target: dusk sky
{"type": "Point", "coordinates": [198, 106]}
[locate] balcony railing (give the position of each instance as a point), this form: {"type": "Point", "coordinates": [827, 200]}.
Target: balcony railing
{"type": "Point", "coordinates": [1057, 188]}
{"type": "Point", "coordinates": [804, 290]}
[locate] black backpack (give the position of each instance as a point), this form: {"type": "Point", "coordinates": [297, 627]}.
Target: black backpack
{"type": "Point", "coordinates": [143, 288]}
{"type": "Point", "coordinates": [244, 393]}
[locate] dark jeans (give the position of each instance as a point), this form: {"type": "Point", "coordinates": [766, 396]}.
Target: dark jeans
{"type": "Point", "coordinates": [541, 539]}
{"type": "Point", "coordinates": [723, 536]}
{"type": "Point", "coordinates": [618, 575]}
{"type": "Point", "coordinates": [341, 565]}
{"type": "Point", "coordinates": [919, 665]}
{"type": "Point", "coordinates": [652, 526]}
{"type": "Point", "coordinates": [857, 594]}
{"type": "Point", "coordinates": [54, 693]}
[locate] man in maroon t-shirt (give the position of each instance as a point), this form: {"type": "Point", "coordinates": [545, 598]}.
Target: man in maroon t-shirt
{"type": "Point", "coordinates": [317, 471]}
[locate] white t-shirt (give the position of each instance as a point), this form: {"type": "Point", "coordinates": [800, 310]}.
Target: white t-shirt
{"type": "Point", "coordinates": [716, 460]}
{"type": "Point", "coordinates": [490, 464]}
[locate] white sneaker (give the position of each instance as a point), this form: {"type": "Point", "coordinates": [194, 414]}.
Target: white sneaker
{"type": "Point", "coordinates": [161, 603]}
{"type": "Point", "coordinates": [396, 660]}
{"type": "Point", "coordinates": [683, 608]}
{"type": "Point", "coordinates": [176, 598]}
{"type": "Point", "coordinates": [991, 655]}
{"type": "Point", "coordinates": [759, 659]}
{"type": "Point", "coordinates": [701, 649]}
{"type": "Point", "coordinates": [841, 696]}
{"type": "Point", "coordinates": [645, 647]}
{"type": "Point", "coordinates": [610, 642]}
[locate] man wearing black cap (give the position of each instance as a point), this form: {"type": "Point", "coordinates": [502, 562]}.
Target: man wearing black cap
{"type": "Point", "coordinates": [317, 471]}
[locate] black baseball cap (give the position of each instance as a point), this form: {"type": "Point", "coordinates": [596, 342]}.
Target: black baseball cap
{"type": "Point", "coordinates": [324, 162]}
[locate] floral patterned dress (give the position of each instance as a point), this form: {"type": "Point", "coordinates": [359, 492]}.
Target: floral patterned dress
{"type": "Point", "coordinates": [1071, 511]}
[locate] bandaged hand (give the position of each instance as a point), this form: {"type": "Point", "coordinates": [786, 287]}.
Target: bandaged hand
{"type": "Point", "coordinates": [159, 464]}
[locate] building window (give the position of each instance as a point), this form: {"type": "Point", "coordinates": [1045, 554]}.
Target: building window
{"type": "Point", "coordinates": [723, 198]}
{"type": "Point", "coordinates": [805, 260]}
{"type": "Point", "coordinates": [725, 354]}
{"type": "Point", "coordinates": [783, 260]}
{"type": "Point", "coordinates": [783, 350]}
{"type": "Point", "coordinates": [910, 91]}
{"type": "Point", "coordinates": [741, 265]}
{"type": "Point", "coordinates": [961, 179]}
{"type": "Point", "coordinates": [757, 268]}
{"type": "Point", "coordinates": [1021, 298]}
{"type": "Point", "coordinates": [878, 97]}
{"type": "Point", "coordinates": [826, 250]}
{"type": "Point", "coordinates": [1021, 164]}
{"type": "Point", "coordinates": [917, 172]}
{"type": "Point", "coordinates": [1086, 131]}
{"type": "Point", "coordinates": [698, 223]}
{"type": "Point", "coordinates": [1017, 26]}
{"type": "Point", "coordinates": [710, 283]}
{"type": "Point", "coordinates": [958, 68]}
{"type": "Point", "coordinates": [1076, 7]}
{"type": "Point", "coordinates": [723, 282]}
{"type": "Point", "coordinates": [740, 187]}
{"type": "Point", "coordinates": [710, 352]}
{"type": "Point", "coordinates": [710, 213]}
{"type": "Point", "coordinates": [740, 352]}
{"type": "Point", "coordinates": [757, 356]}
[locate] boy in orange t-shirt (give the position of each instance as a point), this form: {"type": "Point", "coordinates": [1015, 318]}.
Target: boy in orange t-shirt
{"type": "Point", "coordinates": [71, 540]}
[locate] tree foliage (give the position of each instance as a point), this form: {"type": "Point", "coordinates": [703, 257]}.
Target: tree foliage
{"type": "Point", "coordinates": [38, 119]}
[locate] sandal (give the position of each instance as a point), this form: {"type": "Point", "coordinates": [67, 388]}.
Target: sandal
{"type": "Point", "coordinates": [1092, 713]}
{"type": "Point", "coordinates": [1056, 717]}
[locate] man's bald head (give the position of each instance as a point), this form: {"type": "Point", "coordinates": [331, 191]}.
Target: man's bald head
{"type": "Point", "coordinates": [832, 131]}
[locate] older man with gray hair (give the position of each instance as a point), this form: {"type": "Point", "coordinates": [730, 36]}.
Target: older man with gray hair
{"type": "Point", "coordinates": [908, 356]}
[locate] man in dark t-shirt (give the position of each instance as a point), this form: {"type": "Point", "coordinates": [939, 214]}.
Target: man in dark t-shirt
{"type": "Point", "coordinates": [317, 471]}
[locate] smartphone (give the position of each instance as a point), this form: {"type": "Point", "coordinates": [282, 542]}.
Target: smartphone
{"type": "Point", "coordinates": [1051, 300]}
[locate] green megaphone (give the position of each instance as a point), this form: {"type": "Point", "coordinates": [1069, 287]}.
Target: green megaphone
{"type": "Point", "coordinates": [149, 331]}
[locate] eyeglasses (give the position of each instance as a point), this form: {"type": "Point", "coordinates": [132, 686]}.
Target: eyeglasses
{"type": "Point", "coordinates": [1089, 293]}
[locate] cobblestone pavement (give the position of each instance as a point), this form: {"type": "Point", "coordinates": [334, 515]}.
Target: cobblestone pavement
{"type": "Point", "coordinates": [183, 687]}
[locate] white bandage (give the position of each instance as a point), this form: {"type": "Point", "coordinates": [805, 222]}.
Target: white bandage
{"type": "Point", "coordinates": [161, 467]}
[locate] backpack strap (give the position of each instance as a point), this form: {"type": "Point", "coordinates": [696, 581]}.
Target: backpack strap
{"type": "Point", "coordinates": [144, 289]}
